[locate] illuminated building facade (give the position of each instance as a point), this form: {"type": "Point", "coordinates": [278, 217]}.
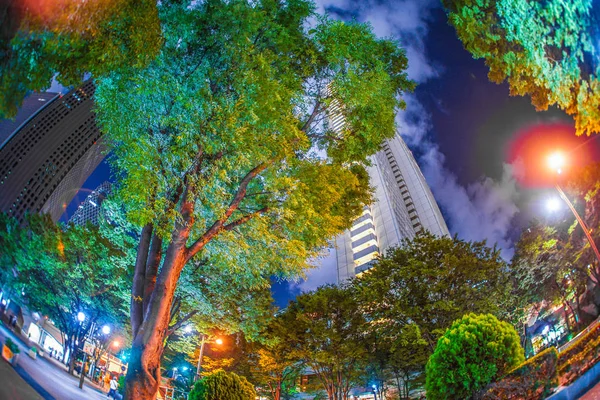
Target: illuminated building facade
{"type": "Point", "coordinates": [48, 152]}
{"type": "Point", "coordinates": [404, 205]}
{"type": "Point", "coordinates": [90, 209]}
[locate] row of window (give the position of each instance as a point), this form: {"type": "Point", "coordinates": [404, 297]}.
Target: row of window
{"type": "Point", "coordinates": [404, 192]}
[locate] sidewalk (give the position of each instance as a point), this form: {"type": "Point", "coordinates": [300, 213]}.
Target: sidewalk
{"type": "Point", "coordinates": [48, 376]}
{"type": "Point", "coordinates": [12, 386]}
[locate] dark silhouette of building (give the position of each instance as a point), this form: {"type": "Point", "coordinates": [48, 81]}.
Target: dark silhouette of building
{"type": "Point", "coordinates": [50, 154]}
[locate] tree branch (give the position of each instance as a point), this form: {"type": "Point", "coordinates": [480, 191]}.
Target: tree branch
{"type": "Point", "coordinates": [178, 324]}
{"type": "Point", "coordinates": [310, 119]}
{"type": "Point", "coordinates": [193, 249]}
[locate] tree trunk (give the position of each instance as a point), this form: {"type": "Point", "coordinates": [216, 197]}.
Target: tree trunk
{"type": "Point", "coordinates": [143, 375]}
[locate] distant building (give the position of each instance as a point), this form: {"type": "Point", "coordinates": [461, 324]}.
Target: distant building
{"type": "Point", "coordinates": [48, 152]}
{"type": "Point", "coordinates": [90, 209]}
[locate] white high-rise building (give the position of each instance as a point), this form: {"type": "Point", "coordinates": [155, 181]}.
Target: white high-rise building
{"type": "Point", "coordinates": [403, 206]}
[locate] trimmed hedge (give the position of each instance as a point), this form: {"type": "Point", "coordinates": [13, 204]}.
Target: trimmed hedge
{"type": "Point", "coordinates": [579, 357]}
{"type": "Point", "coordinates": [532, 380]}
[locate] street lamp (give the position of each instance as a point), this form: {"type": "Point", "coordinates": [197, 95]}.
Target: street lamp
{"type": "Point", "coordinates": [106, 329]}
{"type": "Point", "coordinates": [218, 341]}
{"type": "Point", "coordinates": [553, 204]}
{"type": "Point", "coordinates": [80, 317]}
{"type": "Point", "coordinates": [374, 391]}
{"type": "Point", "coordinates": [556, 161]}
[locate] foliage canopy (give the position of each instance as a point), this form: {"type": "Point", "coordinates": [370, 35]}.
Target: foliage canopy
{"type": "Point", "coordinates": [544, 49]}
{"type": "Point", "coordinates": [473, 352]}
{"type": "Point", "coordinates": [222, 385]}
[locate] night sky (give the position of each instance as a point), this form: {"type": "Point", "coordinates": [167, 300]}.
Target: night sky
{"type": "Point", "coordinates": [465, 132]}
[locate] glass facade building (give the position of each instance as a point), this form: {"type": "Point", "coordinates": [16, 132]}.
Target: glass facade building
{"type": "Point", "coordinates": [90, 209]}
{"type": "Point", "coordinates": [48, 152]}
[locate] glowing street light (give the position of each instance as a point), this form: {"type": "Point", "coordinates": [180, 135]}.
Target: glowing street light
{"type": "Point", "coordinates": [116, 344]}
{"type": "Point", "coordinates": [218, 341]}
{"type": "Point", "coordinates": [80, 316]}
{"type": "Point", "coordinates": [556, 161]}
{"type": "Point", "coordinates": [106, 329]}
{"type": "Point", "coordinates": [553, 204]}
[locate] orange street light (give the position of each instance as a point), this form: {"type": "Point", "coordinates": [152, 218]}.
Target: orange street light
{"type": "Point", "coordinates": [218, 341]}
{"type": "Point", "coordinates": [556, 161]}
{"type": "Point", "coordinates": [116, 343]}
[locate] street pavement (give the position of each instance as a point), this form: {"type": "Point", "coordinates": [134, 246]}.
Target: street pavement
{"type": "Point", "coordinates": [50, 379]}
{"type": "Point", "coordinates": [12, 386]}
{"type": "Point", "coordinates": [592, 394]}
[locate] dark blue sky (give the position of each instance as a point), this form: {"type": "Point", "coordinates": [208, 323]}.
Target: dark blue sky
{"type": "Point", "coordinates": [458, 124]}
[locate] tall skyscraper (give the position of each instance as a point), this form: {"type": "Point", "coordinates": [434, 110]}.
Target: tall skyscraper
{"type": "Point", "coordinates": [48, 152]}
{"type": "Point", "coordinates": [89, 210]}
{"type": "Point", "coordinates": [403, 206]}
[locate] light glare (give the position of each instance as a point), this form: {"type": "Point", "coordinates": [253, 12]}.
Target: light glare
{"type": "Point", "coordinates": [556, 161]}
{"type": "Point", "coordinates": [553, 204]}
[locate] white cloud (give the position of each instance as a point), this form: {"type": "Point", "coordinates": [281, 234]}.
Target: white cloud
{"type": "Point", "coordinates": [325, 272]}
{"type": "Point", "coordinates": [485, 208]}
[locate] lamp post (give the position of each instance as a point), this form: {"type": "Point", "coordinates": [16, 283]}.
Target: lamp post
{"type": "Point", "coordinates": [556, 161]}
{"type": "Point", "coordinates": [81, 318]}
{"type": "Point", "coordinates": [202, 343]}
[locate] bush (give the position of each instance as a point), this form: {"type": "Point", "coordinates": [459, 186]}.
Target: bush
{"type": "Point", "coordinates": [532, 380]}
{"type": "Point", "coordinates": [473, 352]}
{"type": "Point", "coordinates": [579, 357]}
{"type": "Point", "coordinates": [12, 346]}
{"type": "Point", "coordinates": [223, 385]}
{"type": "Point", "coordinates": [121, 382]}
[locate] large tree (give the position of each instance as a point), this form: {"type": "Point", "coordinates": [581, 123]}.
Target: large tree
{"type": "Point", "coordinates": [544, 49]}
{"type": "Point", "coordinates": [431, 281]}
{"type": "Point", "coordinates": [63, 39]}
{"type": "Point", "coordinates": [61, 271]}
{"type": "Point", "coordinates": [225, 151]}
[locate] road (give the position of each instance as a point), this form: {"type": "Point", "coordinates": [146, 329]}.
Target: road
{"type": "Point", "coordinates": [50, 379]}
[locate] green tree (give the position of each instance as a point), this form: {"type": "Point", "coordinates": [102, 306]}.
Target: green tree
{"type": "Point", "coordinates": [223, 385]}
{"type": "Point", "coordinates": [65, 39]}
{"type": "Point", "coordinates": [544, 49]}
{"type": "Point", "coordinates": [49, 261]}
{"type": "Point", "coordinates": [474, 351]}
{"type": "Point", "coordinates": [407, 358]}
{"type": "Point", "coordinates": [326, 330]}
{"type": "Point", "coordinates": [226, 153]}
{"type": "Point", "coordinates": [431, 281]}
{"type": "Point", "coordinates": [276, 367]}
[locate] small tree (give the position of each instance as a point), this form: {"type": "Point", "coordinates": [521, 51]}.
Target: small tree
{"type": "Point", "coordinates": [473, 352]}
{"type": "Point", "coordinates": [327, 330]}
{"type": "Point", "coordinates": [223, 385]}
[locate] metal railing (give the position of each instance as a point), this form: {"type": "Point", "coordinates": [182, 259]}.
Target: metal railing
{"type": "Point", "coordinates": [579, 335]}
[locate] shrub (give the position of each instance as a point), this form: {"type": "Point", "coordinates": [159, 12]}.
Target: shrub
{"type": "Point", "coordinates": [534, 379]}
{"type": "Point", "coordinates": [121, 382]}
{"type": "Point", "coordinates": [579, 357]}
{"type": "Point", "coordinates": [12, 346]}
{"type": "Point", "coordinates": [473, 352]}
{"type": "Point", "coordinates": [223, 385]}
